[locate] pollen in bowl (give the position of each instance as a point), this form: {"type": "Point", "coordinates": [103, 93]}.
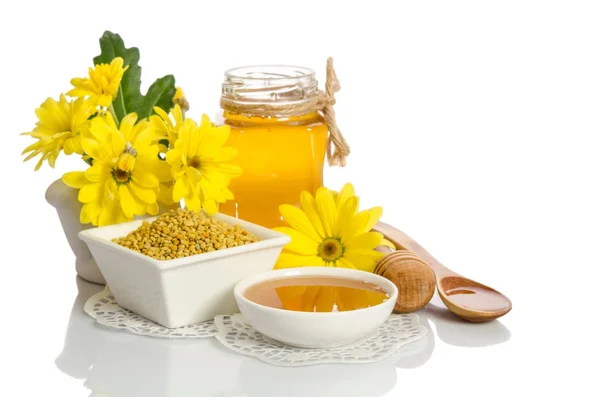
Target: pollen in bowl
{"type": "Point", "coordinates": [316, 294]}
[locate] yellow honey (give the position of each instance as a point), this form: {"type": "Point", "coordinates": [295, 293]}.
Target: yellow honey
{"type": "Point", "coordinates": [280, 155]}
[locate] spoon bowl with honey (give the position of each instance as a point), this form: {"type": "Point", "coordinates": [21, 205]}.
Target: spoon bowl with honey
{"type": "Point", "coordinates": [316, 307]}
{"type": "Point", "coordinates": [468, 299]}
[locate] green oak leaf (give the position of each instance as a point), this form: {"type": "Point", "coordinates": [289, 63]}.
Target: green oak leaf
{"type": "Point", "coordinates": [130, 99]}
{"type": "Point", "coordinates": [160, 94]}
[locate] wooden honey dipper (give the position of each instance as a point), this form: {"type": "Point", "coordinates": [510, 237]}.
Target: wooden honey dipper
{"type": "Point", "coordinates": [414, 279]}
{"type": "Point", "coordinates": [468, 299]}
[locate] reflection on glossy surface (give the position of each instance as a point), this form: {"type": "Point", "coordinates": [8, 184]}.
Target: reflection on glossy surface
{"type": "Point", "coordinates": [81, 344]}
{"type": "Point", "coordinates": [119, 364]}
{"type": "Point", "coordinates": [131, 365]}
{"type": "Point", "coordinates": [417, 353]}
{"type": "Point", "coordinates": [258, 379]}
{"type": "Point", "coordinates": [321, 298]}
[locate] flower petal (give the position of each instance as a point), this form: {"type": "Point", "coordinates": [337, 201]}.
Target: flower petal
{"type": "Point", "coordinates": [374, 215]}
{"type": "Point", "coordinates": [210, 206]}
{"type": "Point", "coordinates": [180, 190]}
{"type": "Point", "coordinates": [165, 194]}
{"type": "Point", "coordinates": [89, 213]}
{"type": "Point", "coordinates": [345, 193]}
{"type": "Point", "coordinates": [297, 219]}
{"type": "Point", "coordinates": [75, 179]}
{"type": "Point", "coordinates": [148, 196]}
{"type": "Point", "coordinates": [345, 216]}
{"type": "Point", "coordinates": [288, 260]}
{"type": "Point", "coordinates": [387, 243]}
{"type": "Point", "coordinates": [368, 241]}
{"type": "Point", "coordinates": [355, 226]}
{"type": "Point", "coordinates": [177, 114]}
{"type": "Point", "coordinates": [152, 209]}
{"type": "Point", "coordinates": [193, 203]}
{"type": "Point", "coordinates": [111, 213]}
{"type": "Point", "coordinates": [173, 156]}
{"type": "Point", "coordinates": [163, 115]}
{"type": "Point", "coordinates": [126, 126]}
{"type": "Point", "coordinates": [300, 244]}
{"type": "Point", "coordinates": [145, 179]}
{"type": "Point", "coordinates": [90, 192]}
{"type": "Point", "coordinates": [363, 259]}
{"type": "Point", "coordinates": [128, 204]}
{"type": "Point", "coordinates": [346, 263]}
{"type": "Point", "coordinates": [327, 211]}
{"type": "Point", "coordinates": [309, 206]}
{"type": "Point", "coordinates": [94, 173]}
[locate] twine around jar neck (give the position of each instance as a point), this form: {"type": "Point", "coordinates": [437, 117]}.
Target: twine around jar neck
{"type": "Point", "coordinates": [337, 147]}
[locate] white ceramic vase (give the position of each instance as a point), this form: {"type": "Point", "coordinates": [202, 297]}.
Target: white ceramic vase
{"type": "Point", "coordinates": [64, 199]}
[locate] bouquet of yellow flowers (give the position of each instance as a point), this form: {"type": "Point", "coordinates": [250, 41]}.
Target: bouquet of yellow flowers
{"type": "Point", "coordinates": [142, 151]}
{"type": "Point", "coordinates": [144, 155]}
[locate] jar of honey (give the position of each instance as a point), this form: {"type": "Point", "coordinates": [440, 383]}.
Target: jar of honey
{"type": "Point", "coordinates": [280, 135]}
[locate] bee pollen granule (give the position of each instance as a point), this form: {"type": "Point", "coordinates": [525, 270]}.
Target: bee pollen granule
{"type": "Point", "coordinates": [180, 233]}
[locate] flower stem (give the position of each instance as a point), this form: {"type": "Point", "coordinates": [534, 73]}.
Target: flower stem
{"type": "Point", "coordinates": [89, 161]}
{"type": "Point", "coordinates": [122, 99]}
{"type": "Point", "coordinates": [111, 109]}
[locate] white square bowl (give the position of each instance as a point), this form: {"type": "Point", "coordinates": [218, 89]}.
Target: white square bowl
{"type": "Point", "coordinates": [183, 291]}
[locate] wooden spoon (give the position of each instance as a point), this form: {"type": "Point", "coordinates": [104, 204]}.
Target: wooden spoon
{"type": "Point", "coordinates": [466, 298]}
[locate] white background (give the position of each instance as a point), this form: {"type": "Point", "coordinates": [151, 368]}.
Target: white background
{"type": "Point", "coordinates": [473, 123]}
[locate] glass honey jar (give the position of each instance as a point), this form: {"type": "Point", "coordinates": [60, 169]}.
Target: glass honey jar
{"type": "Point", "coordinates": [280, 135]}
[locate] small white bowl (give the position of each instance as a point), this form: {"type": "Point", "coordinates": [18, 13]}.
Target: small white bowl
{"type": "Point", "coordinates": [311, 329]}
{"type": "Point", "coordinates": [182, 291]}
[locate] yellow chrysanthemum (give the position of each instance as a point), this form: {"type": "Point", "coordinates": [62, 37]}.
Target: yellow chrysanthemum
{"type": "Point", "coordinates": [59, 127]}
{"type": "Point", "coordinates": [125, 177]}
{"type": "Point", "coordinates": [179, 99]}
{"type": "Point", "coordinates": [178, 94]}
{"type": "Point", "coordinates": [103, 83]}
{"type": "Point", "coordinates": [200, 165]}
{"type": "Point", "coordinates": [167, 127]}
{"type": "Point", "coordinates": [328, 230]}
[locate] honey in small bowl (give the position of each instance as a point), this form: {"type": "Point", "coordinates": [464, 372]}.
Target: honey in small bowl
{"type": "Point", "coordinates": [316, 294]}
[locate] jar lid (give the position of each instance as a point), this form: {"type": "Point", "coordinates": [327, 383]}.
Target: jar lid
{"type": "Point", "coordinates": [269, 84]}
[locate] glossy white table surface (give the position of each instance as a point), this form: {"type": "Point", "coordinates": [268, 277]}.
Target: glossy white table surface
{"type": "Point", "coordinates": [51, 347]}
{"type": "Point", "coordinates": [103, 362]}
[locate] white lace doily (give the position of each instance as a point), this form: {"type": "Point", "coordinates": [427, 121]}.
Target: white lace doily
{"type": "Point", "coordinates": [236, 334]}
{"type": "Point", "coordinates": [105, 309]}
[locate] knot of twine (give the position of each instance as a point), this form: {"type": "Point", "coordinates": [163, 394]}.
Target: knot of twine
{"type": "Point", "coordinates": [337, 147]}
{"type": "Point", "coordinates": [325, 102]}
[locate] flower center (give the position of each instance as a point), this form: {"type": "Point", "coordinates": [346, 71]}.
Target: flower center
{"type": "Point", "coordinates": [125, 165]}
{"type": "Point", "coordinates": [194, 162]}
{"type": "Point", "coordinates": [331, 249]}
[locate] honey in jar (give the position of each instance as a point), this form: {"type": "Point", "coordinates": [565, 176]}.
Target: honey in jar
{"type": "Point", "coordinates": [280, 152]}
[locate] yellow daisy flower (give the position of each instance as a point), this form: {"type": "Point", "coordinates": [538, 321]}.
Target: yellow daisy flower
{"type": "Point", "coordinates": [200, 165]}
{"type": "Point", "coordinates": [167, 127]}
{"type": "Point", "coordinates": [58, 128]}
{"type": "Point", "coordinates": [102, 85]}
{"type": "Point", "coordinates": [328, 230]}
{"type": "Point", "coordinates": [125, 177]}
